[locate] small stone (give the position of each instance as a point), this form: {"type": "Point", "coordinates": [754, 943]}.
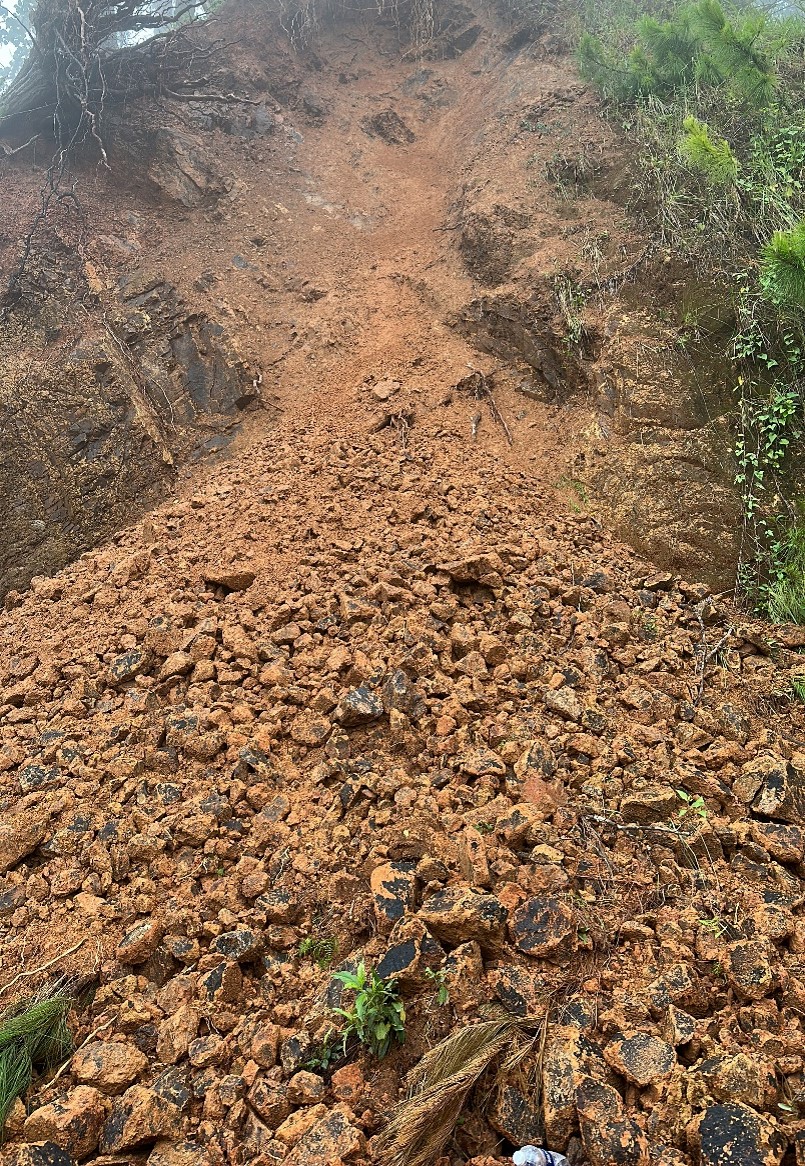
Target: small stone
{"type": "Point", "coordinates": [358, 707]}
{"type": "Point", "coordinates": [35, 776]}
{"type": "Point", "coordinates": [402, 694]}
{"type": "Point", "coordinates": [544, 928]}
{"type": "Point", "coordinates": [109, 1066]}
{"type": "Point", "coordinates": [176, 1032]}
{"type": "Point", "coordinates": [680, 1027]}
{"type": "Point", "coordinates": [231, 578]}
{"type": "Point", "coordinates": [310, 729]}
{"type": "Point", "coordinates": [653, 804]}
{"type": "Point", "coordinates": [243, 945]}
{"type": "Point", "coordinates": [775, 787]}
{"type": "Point", "coordinates": [733, 1135]}
{"type": "Point", "coordinates": [299, 1123]}
{"type": "Point", "coordinates": [138, 1117]}
{"type": "Point", "coordinates": [393, 886]}
{"type": "Point", "coordinates": [167, 1153]}
{"type": "Point", "coordinates": [749, 969]}
{"type": "Point", "coordinates": [20, 834]}
{"type": "Point", "coordinates": [305, 1088]}
{"type": "Point", "coordinates": [278, 906]}
{"type": "Point", "coordinates": [348, 1084]}
{"type": "Point", "coordinates": [513, 1114]}
{"type": "Point", "coordinates": [642, 1059]}
{"type": "Point", "coordinates": [564, 702]}
{"type": "Point", "coordinates": [459, 914]}
{"type": "Point", "coordinates": [265, 1045]}
{"type": "Point", "coordinates": [483, 763]}
{"type": "Point", "coordinates": [269, 1099]}
{"type": "Point", "coordinates": [126, 667]}
{"type": "Point", "coordinates": [74, 1122]}
{"type": "Point", "coordinates": [177, 664]}
{"type": "Point", "coordinates": [411, 952]}
{"type": "Point", "coordinates": [140, 943]}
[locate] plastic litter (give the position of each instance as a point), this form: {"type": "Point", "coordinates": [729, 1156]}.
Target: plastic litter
{"type": "Point", "coordinates": [534, 1156]}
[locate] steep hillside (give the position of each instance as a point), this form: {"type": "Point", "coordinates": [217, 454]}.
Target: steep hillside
{"type": "Point", "coordinates": [378, 683]}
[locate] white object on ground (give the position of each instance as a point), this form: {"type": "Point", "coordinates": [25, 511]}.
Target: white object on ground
{"type": "Point", "coordinates": [534, 1156]}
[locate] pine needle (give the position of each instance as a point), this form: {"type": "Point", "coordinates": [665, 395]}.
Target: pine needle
{"type": "Point", "coordinates": [420, 1127]}
{"type": "Point", "coordinates": [32, 1035]}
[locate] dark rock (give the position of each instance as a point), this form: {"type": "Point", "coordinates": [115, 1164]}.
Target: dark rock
{"type": "Point", "coordinates": [732, 1135]}
{"type": "Point", "coordinates": [35, 776]}
{"type": "Point", "coordinates": [242, 945]}
{"type": "Point", "coordinates": [223, 983]}
{"type": "Point", "coordinates": [128, 665]}
{"type": "Point", "coordinates": [332, 1139]}
{"type": "Point", "coordinates": [740, 1078]}
{"type": "Point", "coordinates": [458, 914]}
{"type": "Point", "coordinates": [35, 1154]}
{"type": "Point", "coordinates": [786, 843]}
{"type": "Point", "coordinates": [140, 943]}
{"type": "Point", "coordinates": [73, 1122]}
{"type": "Point", "coordinates": [411, 951]}
{"type": "Point", "coordinates": [516, 989]}
{"type": "Point", "coordinates": [270, 1100]}
{"type": "Point", "coordinates": [389, 126]}
{"type": "Point", "coordinates": [279, 906]}
{"type": "Point", "coordinates": [514, 1115]}
{"type": "Point", "coordinates": [609, 1137]}
{"type": "Point", "coordinates": [173, 1086]}
{"type": "Point", "coordinates": [358, 707]}
{"type": "Point", "coordinates": [295, 1051]}
{"type": "Point", "coordinates": [642, 1059]}
{"type": "Point", "coordinates": [749, 969]}
{"type": "Point", "coordinates": [680, 1027]}
{"type": "Point", "coordinates": [401, 693]}
{"type": "Point", "coordinates": [544, 928]}
{"type": "Point", "coordinates": [774, 786]}
{"type": "Point", "coordinates": [393, 887]}
{"type": "Point", "coordinates": [138, 1118]}
{"type": "Point", "coordinates": [653, 804]}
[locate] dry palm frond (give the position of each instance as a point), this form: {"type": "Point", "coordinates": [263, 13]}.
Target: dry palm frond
{"type": "Point", "coordinates": [31, 1035]}
{"type": "Point", "coordinates": [421, 1126]}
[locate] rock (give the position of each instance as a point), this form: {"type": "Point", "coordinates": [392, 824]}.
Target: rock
{"type": "Point", "coordinates": [348, 1084]}
{"type": "Point", "coordinates": [749, 969]}
{"type": "Point", "coordinates": [733, 1135]}
{"type": "Point", "coordinates": [20, 834]}
{"type": "Point", "coordinates": [74, 1122]}
{"type": "Point", "coordinates": [108, 1066]}
{"type": "Point", "coordinates": [242, 945]}
{"type": "Point", "coordinates": [742, 1078]}
{"type": "Point", "coordinates": [305, 1088]}
{"type": "Point", "coordinates": [35, 776]}
{"type": "Point", "coordinates": [138, 1117]}
{"type": "Point", "coordinates": [140, 943]}
{"type": "Point", "coordinates": [332, 1139]}
{"type": "Point", "coordinates": [514, 1115]}
{"type": "Point", "coordinates": [177, 664]}
{"type": "Point", "coordinates": [393, 887]}
{"type": "Point", "coordinates": [278, 906]}
{"type": "Point", "coordinates": [358, 707]}
{"type": "Point", "coordinates": [642, 1059]}
{"type": "Point", "coordinates": [485, 568]}
{"type": "Point", "coordinates": [270, 1100]}
{"type": "Point", "coordinates": [544, 928]}
{"type": "Point", "coordinates": [786, 843]}
{"type": "Point", "coordinates": [402, 694]}
{"type": "Point", "coordinates": [188, 1153]}
{"type": "Point", "coordinates": [775, 787]}
{"type": "Point", "coordinates": [35, 1154]}
{"type": "Point", "coordinates": [310, 729]}
{"type": "Point", "coordinates": [176, 1033]}
{"type": "Point", "coordinates": [229, 577]}
{"type": "Point", "coordinates": [459, 914]}
{"type": "Point", "coordinates": [516, 989]}
{"type": "Point", "coordinates": [411, 952]}
{"type": "Point", "coordinates": [564, 702]}
{"type": "Point", "coordinates": [299, 1123]}
{"type": "Point", "coordinates": [483, 763]}
{"type": "Point", "coordinates": [265, 1044]}
{"type": "Point", "coordinates": [126, 667]}
{"type": "Point", "coordinates": [679, 1028]}
{"type": "Point", "coordinates": [609, 1137]}
{"type": "Point", "coordinates": [653, 804]}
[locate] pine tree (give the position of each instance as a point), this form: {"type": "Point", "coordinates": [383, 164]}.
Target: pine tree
{"type": "Point", "coordinates": [782, 268]}
{"type": "Point", "coordinates": [712, 157]}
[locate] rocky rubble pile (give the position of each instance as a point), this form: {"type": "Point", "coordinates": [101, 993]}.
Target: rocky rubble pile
{"type": "Point", "coordinates": [375, 698]}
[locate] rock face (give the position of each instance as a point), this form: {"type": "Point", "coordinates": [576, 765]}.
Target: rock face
{"type": "Point", "coordinates": [92, 445]}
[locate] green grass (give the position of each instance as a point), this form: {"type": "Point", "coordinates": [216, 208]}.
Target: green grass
{"type": "Point", "coordinates": [32, 1037]}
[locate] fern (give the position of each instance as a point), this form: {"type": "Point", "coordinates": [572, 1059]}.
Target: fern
{"type": "Point", "coordinates": [782, 268]}
{"type": "Point", "coordinates": [712, 157]}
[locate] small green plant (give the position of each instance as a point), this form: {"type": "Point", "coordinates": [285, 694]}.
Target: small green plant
{"type": "Point", "coordinates": [320, 951]}
{"type": "Point", "coordinates": [782, 268]}
{"type": "Point", "coordinates": [691, 805]}
{"type": "Point", "coordinates": [485, 827]}
{"type": "Point", "coordinates": [437, 977]}
{"type": "Point", "coordinates": [572, 302]}
{"type": "Point", "coordinates": [798, 687]}
{"type": "Point", "coordinates": [715, 926]}
{"type": "Point", "coordinates": [712, 157]}
{"type": "Point", "coordinates": [377, 1015]}
{"type": "Point", "coordinates": [31, 1037]}
{"type": "Point", "coordinates": [323, 1057]}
